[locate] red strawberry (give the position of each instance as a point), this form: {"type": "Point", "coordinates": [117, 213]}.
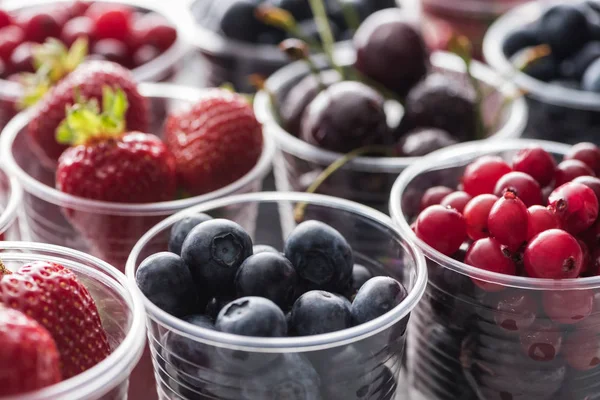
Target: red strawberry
{"type": "Point", "coordinates": [215, 142]}
{"type": "Point", "coordinates": [28, 356]}
{"type": "Point", "coordinates": [53, 296]}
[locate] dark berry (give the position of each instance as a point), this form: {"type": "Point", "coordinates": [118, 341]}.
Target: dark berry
{"type": "Point", "coordinates": [535, 162]}
{"type": "Point", "coordinates": [476, 213]}
{"type": "Point", "coordinates": [567, 306]}
{"type": "Point", "coordinates": [591, 77]}
{"type": "Point", "coordinates": [300, 9]}
{"type": "Point", "coordinates": [576, 205]}
{"type": "Point", "coordinates": [268, 275]}
{"type": "Point", "coordinates": [252, 316]}
{"type": "Point", "coordinates": [544, 68]}
{"type": "Point", "coordinates": [553, 254]}
{"type": "Point", "coordinates": [457, 200]}
{"type": "Point", "coordinates": [360, 274]}
{"type": "Point", "coordinates": [590, 181]}
{"type": "Point", "coordinates": [383, 42]}
{"type": "Point", "coordinates": [318, 312]}
{"type": "Point", "coordinates": [568, 170]}
{"type": "Point", "coordinates": [154, 30]}
{"type": "Point", "coordinates": [581, 349]}
{"type": "Point", "coordinates": [481, 175]}
{"type": "Point", "coordinates": [587, 153]}
{"type": "Point", "coordinates": [541, 219]}
{"type": "Point", "coordinates": [215, 305]}
{"type": "Point", "coordinates": [320, 254]}
{"type": "Point", "coordinates": [112, 50]}
{"type": "Point", "coordinates": [507, 221]}
{"type": "Point", "coordinates": [575, 66]}
{"type": "Point", "coordinates": [39, 26]}
{"type": "Point", "coordinates": [166, 281]}
{"type": "Point", "coordinates": [237, 20]}
{"type": "Point", "coordinates": [522, 185]}
{"type": "Point", "coordinates": [181, 228]}
{"type": "Point", "coordinates": [515, 310]}
{"type": "Point", "coordinates": [22, 57]}
{"type": "Point", "coordinates": [587, 257]}
{"type": "Point", "coordinates": [442, 228]}
{"type": "Point", "coordinates": [200, 320]}
{"type": "Point", "coordinates": [263, 248]}
{"type": "Point", "coordinates": [520, 39]}
{"type": "Point", "coordinates": [10, 38]}
{"type": "Point", "coordinates": [542, 341]}
{"type": "Point", "coordinates": [422, 141]}
{"type": "Point", "coordinates": [79, 27]}
{"type": "Point", "coordinates": [434, 195]}
{"type": "Point", "coordinates": [112, 23]}
{"type": "Point", "coordinates": [488, 254]}
{"type": "Point", "coordinates": [144, 54]}
{"type": "Point", "coordinates": [564, 27]}
{"type": "Point", "coordinates": [346, 116]}
{"type": "Point", "coordinates": [214, 250]}
{"type": "Point", "coordinates": [375, 298]}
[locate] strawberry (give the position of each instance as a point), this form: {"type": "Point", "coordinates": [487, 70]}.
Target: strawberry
{"type": "Point", "coordinates": [28, 356]}
{"type": "Point", "coordinates": [217, 141]}
{"type": "Point", "coordinates": [53, 296]}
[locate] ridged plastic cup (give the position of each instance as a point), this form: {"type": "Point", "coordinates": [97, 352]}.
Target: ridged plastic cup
{"type": "Point", "coordinates": [121, 312]}
{"type": "Point", "coordinates": [368, 180]}
{"type": "Point", "coordinates": [104, 229]}
{"type": "Point", "coordinates": [555, 113]}
{"type": "Point", "coordinates": [11, 196]}
{"type": "Point", "coordinates": [463, 344]}
{"type": "Point", "coordinates": [363, 362]}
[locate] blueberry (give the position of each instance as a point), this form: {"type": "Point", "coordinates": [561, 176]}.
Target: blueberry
{"type": "Point", "coordinates": [545, 68]}
{"type": "Point", "coordinates": [200, 320]}
{"type": "Point", "coordinates": [215, 305]}
{"type": "Point", "coordinates": [574, 67]}
{"type": "Point", "coordinates": [186, 356]}
{"type": "Point", "coordinates": [180, 230]}
{"type": "Point", "coordinates": [423, 141]}
{"type": "Point", "coordinates": [520, 39]}
{"type": "Point", "coordinates": [360, 274]}
{"type": "Point", "coordinates": [565, 28]}
{"type": "Point", "coordinates": [317, 312]}
{"type": "Point", "coordinates": [252, 316]}
{"type": "Point", "coordinates": [263, 248]}
{"type": "Point", "coordinates": [167, 282]}
{"type": "Point", "coordinates": [268, 275]}
{"type": "Point", "coordinates": [591, 78]}
{"type": "Point", "coordinates": [214, 250]}
{"type": "Point", "coordinates": [375, 298]}
{"type": "Point", "coordinates": [320, 254]}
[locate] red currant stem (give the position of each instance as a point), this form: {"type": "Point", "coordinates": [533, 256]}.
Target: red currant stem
{"type": "Point", "coordinates": [333, 167]}
{"type": "Point", "coordinates": [320, 15]}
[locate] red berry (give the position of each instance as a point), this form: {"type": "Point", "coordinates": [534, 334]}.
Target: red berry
{"type": "Point", "coordinates": [10, 38]}
{"type": "Point", "coordinates": [524, 186]}
{"type": "Point", "coordinates": [540, 219]}
{"type": "Point", "coordinates": [535, 162]}
{"type": "Point", "coordinates": [516, 310]}
{"type": "Point", "coordinates": [588, 153]}
{"type": "Point", "coordinates": [113, 23]}
{"type": "Point", "coordinates": [76, 28]}
{"type": "Point", "coordinates": [5, 19]}
{"type": "Point", "coordinates": [594, 266]}
{"type": "Point", "coordinates": [488, 254]}
{"type": "Point", "coordinates": [507, 221]}
{"type": "Point", "coordinates": [78, 8]}
{"type": "Point", "coordinates": [442, 228]}
{"type": "Point", "coordinates": [590, 181]}
{"type": "Point", "coordinates": [587, 257]}
{"type": "Point", "coordinates": [476, 214]}
{"type": "Point", "coordinates": [112, 50]}
{"type": "Point", "coordinates": [144, 54]}
{"type": "Point", "coordinates": [582, 350]}
{"type": "Point", "coordinates": [39, 26]}
{"type": "Point", "coordinates": [567, 306]}
{"type": "Point", "coordinates": [542, 341]}
{"type": "Point", "coordinates": [591, 236]}
{"type": "Point", "coordinates": [457, 200]}
{"type": "Point", "coordinates": [434, 195]}
{"type": "Point", "coordinates": [568, 170]}
{"type": "Point", "coordinates": [553, 254]}
{"type": "Point", "coordinates": [480, 176]}
{"type": "Point", "coordinates": [22, 57]}
{"type": "Point", "coordinates": [576, 205]}
{"type": "Point", "coordinates": [153, 29]}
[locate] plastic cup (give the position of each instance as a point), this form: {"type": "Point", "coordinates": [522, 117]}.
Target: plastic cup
{"type": "Point", "coordinates": [107, 230]}
{"type": "Point", "coordinates": [10, 198]}
{"type": "Point", "coordinates": [368, 180]}
{"type": "Point", "coordinates": [464, 341]}
{"type": "Point", "coordinates": [121, 312]}
{"type": "Point", "coordinates": [361, 362]}
{"type": "Point", "coordinates": [556, 113]}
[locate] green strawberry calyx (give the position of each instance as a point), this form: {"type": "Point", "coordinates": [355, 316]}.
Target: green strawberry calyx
{"type": "Point", "coordinates": [84, 120]}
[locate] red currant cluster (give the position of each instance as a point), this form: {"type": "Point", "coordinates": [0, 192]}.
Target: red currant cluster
{"type": "Point", "coordinates": [530, 218]}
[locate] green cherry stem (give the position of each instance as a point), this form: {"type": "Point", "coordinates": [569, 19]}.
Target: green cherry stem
{"type": "Point", "coordinates": [320, 15]}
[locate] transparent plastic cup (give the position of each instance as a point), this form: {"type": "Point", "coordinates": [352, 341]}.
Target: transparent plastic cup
{"type": "Point", "coordinates": [11, 196]}
{"type": "Point", "coordinates": [104, 229]}
{"type": "Point", "coordinates": [363, 362]}
{"type": "Point", "coordinates": [368, 180]}
{"type": "Point", "coordinates": [555, 113]}
{"type": "Point", "coordinates": [464, 342]}
{"type": "Point", "coordinates": [121, 312]}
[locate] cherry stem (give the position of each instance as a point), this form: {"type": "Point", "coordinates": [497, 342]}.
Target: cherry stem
{"type": "Point", "coordinates": [351, 17]}
{"type": "Point", "coordinates": [333, 167]}
{"type": "Point", "coordinates": [284, 20]}
{"type": "Point", "coordinates": [320, 15]}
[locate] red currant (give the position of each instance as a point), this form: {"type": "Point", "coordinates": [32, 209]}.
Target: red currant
{"type": "Point", "coordinates": [76, 28]}
{"type": "Point", "coordinates": [153, 29]}
{"type": "Point", "coordinates": [434, 195]}
{"type": "Point", "coordinates": [553, 254]}
{"type": "Point", "coordinates": [22, 57]}
{"type": "Point", "coordinates": [10, 38]}
{"type": "Point", "coordinates": [542, 341]}
{"type": "Point", "coordinates": [112, 50]}
{"type": "Point", "coordinates": [442, 228]}
{"type": "Point", "coordinates": [588, 153]}
{"type": "Point", "coordinates": [488, 254]}
{"type": "Point", "coordinates": [568, 170]}
{"type": "Point", "coordinates": [535, 162]}
{"type": "Point", "coordinates": [457, 200]}
{"type": "Point", "coordinates": [576, 205]}
{"type": "Point", "coordinates": [516, 310]}
{"type": "Point", "coordinates": [540, 219]}
{"type": "Point", "coordinates": [5, 19]}
{"type": "Point", "coordinates": [144, 54]}
{"type": "Point", "coordinates": [39, 26]}
{"type": "Point", "coordinates": [524, 186]}
{"type": "Point", "coordinates": [476, 214]}
{"type": "Point", "coordinates": [567, 306]}
{"type": "Point", "coordinates": [113, 23]}
{"type": "Point", "coordinates": [480, 176]}
{"type": "Point", "coordinates": [507, 221]}
{"type": "Point", "coordinates": [582, 350]}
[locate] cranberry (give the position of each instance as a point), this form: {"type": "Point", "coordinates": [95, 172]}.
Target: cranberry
{"type": "Point", "coordinates": [540, 219]}
{"type": "Point", "coordinates": [569, 170]}
{"type": "Point", "coordinates": [507, 221]}
{"type": "Point", "coordinates": [542, 341]}
{"type": "Point", "coordinates": [5, 19]}
{"type": "Point", "coordinates": [10, 38]}
{"type": "Point", "coordinates": [476, 214]}
{"type": "Point", "coordinates": [112, 50]}
{"type": "Point", "coordinates": [442, 228]}
{"type": "Point", "coordinates": [592, 322]}
{"type": "Point", "coordinates": [516, 310]}
{"type": "Point", "coordinates": [22, 57]}
{"type": "Point", "coordinates": [434, 195]}
{"type": "Point", "coordinates": [524, 186]}
{"type": "Point", "coordinates": [553, 254]}
{"type": "Point", "coordinates": [39, 26]}
{"type": "Point", "coordinates": [591, 236]}
{"type": "Point", "coordinates": [535, 162]}
{"type": "Point", "coordinates": [588, 153]}
{"type": "Point", "coordinates": [76, 28]}
{"type": "Point", "coordinates": [112, 23]}
{"type": "Point", "coordinates": [567, 306]}
{"type": "Point", "coordinates": [144, 54]}
{"type": "Point", "coordinates": [576, 205]}
{"type": "Point", "coordinates": [488, 254]}
{"type": "Point", "coordinates": [582, 350]}
{"type": "Point", "coordinates": [480, 176]}
{"type": "Point", "coordinates": [594, 266]}
{"type": "Point", "coordinates": [587, 257]}
{"type": "Point", "coordinates": [457, 200]}
{"type": "Point", "coordinates": [590, 181]}
{"type": "Point", "coordinates": [155, 30]}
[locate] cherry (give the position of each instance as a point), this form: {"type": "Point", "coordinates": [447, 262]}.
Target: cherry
{"type": "Point", "coordinates": [457, 200]}
{"type": "Point", "coordinates": [434, 195]}
{"type": "Point", "coordinates": [112, 50]}
{"type": "Point", "coordinates": [481, 176]}
{"type": "Point", "coordinates": [5, 19]}
{"type": "Point", "coordinates": [576, 205]}
{"type": "Point", "coordinates": [587, 257]}
{"type": "Point", "coordinates": [476, 214]}
{"type": "Point", "coordinates": [10, 38]}
{"type": "Point", "coordinates": [523, 185]}
{"type": "Point", "coordinates": [542, 341]}
{"type": "Point", "coordinates": [112, 23]}
{"type": "Point", "coordinates": [422, 141]}
{"type": "Point", "coordinates": [78, 8]}
{"type": "Point", "coordinates": [515, 310]}
{"type": "Point", "coordinates": [155, 30]}
{"type": "Point", "coordinates": [507, 221]}
{"type": "Point", "coordinates": [442, 228]}
{"type": "Point", "coordinates": [588, 153]}
{"type": "Point", "coordinates": [39, 26]}
{"type": "Point", "coordinates": [568, 170]}
{"type": "Point", "coordinates": [535, 162]}
{"type": "Point", "coordinates": [553, 254]}
{"type": "Point", "coordinates": [144, 54]}
{"type": "Point", "coordinates": [567, 306]}
{"type": "Point", "coordinates": [582, 350]}
{"type": "Point", "coordinates": [488, 254]}
{"type": "Point", "coordinates": [590, 181]}
{"type": "Point", "coordinates": [541, 219]}
{"type": "Point", "coordinates": [76, 28]}
{"type": "Point", "coordinates": [22, 57]}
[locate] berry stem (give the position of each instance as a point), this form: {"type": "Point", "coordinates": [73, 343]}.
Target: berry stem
{"type": "Point", "coordinates": [297, 50]}
{"type": "Point", "coordinates": [350, 16]}
{"type": "Point", "coordinates": [4, 270]}
{"type": "Point", "coordinates": [284, 20]}
{"type": "Point", "coordinates": [320, 15]}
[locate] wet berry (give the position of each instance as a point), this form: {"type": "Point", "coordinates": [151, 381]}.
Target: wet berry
{"type": "Point", "coordinates": [567, 306]}
{"type": "Point", "coordinates": [553, 254]}
{"type": "Point", "coordinates": [541, 219]}
{"type": "Point", "coordinates": [488, 254]}
{"type": "Point", "coordinates": [588, 153]}
{"type": "Point", "coordinates": [535, 162]}
{"type": "Point", "coordinates": [482, 175]}
{"type": "Point", "coordinates": [582, 350]}
{"type": "Point", "coordinates": [457, 200]}
{"type": "Point", "coordinates": [524, 186]}
{"type": "Point", "coordinates": [112, 23]}
{"type": "Point", "coordinates": [442, 228]}
{"type": "Point", "coordinates": [516, 310]}
{"type": "Point", "coordinates": [434, 195]}
{"type": "Point", "coordinates": [476, 214]}
{"type": "Point", "coordinates": [38, 27]}
{"type": "Point", "coordinates": [568, 170]}
{"type": "Point", "coordinates": [576, 205]}
{"type": "Point", "coordinates": [507, 221]}
{"type": "Point", "coordinates": [542, 341]}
